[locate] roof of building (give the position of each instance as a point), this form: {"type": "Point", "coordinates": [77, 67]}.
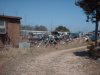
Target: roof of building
{"type": "Point", "coordinates": [10, 17]}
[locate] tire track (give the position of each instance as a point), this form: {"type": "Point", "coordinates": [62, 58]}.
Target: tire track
{"type": "Point", "coordinates": [62, 62]}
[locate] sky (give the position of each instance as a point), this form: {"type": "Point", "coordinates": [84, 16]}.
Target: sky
{"type": "Point", "coordinates": [50, 13]}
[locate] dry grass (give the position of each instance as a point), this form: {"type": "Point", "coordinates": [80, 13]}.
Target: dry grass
{"type": "Point", "coordinates": [12, 53]}
{"type": "Point", "coordinates": [12, 56]}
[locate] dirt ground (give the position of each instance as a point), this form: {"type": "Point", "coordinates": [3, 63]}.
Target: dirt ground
{"type": "Point", "coordinates": [65, 59]}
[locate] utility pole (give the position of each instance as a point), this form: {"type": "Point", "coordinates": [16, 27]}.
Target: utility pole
{"type": "Point", "coordinates": [51, 26]}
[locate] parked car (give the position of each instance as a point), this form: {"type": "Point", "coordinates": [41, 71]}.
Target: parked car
{"type": "Point", "coordinates": [92, 37]}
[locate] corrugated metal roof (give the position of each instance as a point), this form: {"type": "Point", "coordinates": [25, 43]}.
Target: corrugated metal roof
{"type": "Point", "coordinates": [10, 17]}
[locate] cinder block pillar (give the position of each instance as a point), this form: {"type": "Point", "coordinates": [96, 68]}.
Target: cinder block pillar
{"type": "Point", "coordinates": [1, 43]}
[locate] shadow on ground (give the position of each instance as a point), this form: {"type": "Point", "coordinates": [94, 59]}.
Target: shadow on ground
{"type": "Point", "coordinates": [86, 54]}
{"type": "Point", "coordinates": [81, 53]}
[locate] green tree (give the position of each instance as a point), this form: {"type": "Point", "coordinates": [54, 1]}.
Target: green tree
{"type": "Point", "coordinates": [62, 29]}
{"type": "Point", "coordinates": [92, 10]}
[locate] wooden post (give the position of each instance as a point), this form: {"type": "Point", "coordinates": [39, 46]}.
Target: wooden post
{"type": "Point", "coordinates": [96, 29]}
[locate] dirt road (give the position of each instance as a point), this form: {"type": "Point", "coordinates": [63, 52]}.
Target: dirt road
{"type": "Point", "coordinates": [62, 62]}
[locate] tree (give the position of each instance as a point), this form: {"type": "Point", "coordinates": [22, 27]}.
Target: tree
{"type": "Point", "coordinates": [62, 29]}
{"type": "Point", "coordinates": [92, 10]}
{"type": "Point", "coordinates": [36, 27]}
{"type": "Point", "coordinates": [27, 27]}
{"type": "Point", "coordinates": [40, 28]}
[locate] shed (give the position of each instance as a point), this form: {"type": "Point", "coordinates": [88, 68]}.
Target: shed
{"type": "Point", "coordinates": [9, 30]}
